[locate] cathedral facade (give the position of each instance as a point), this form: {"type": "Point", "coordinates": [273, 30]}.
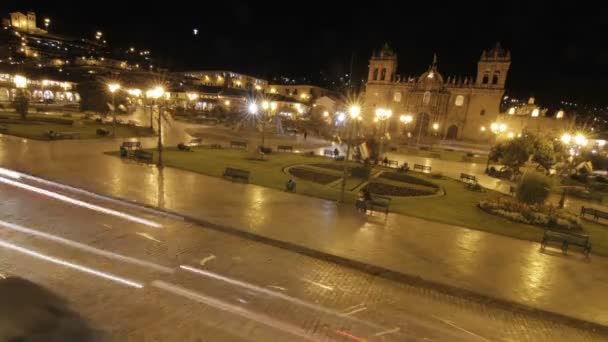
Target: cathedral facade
{"type": "Point", "coordinates": [450, 108]}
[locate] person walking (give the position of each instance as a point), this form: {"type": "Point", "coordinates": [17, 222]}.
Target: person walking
{"type": "Point", "coordinates": [305, 134]}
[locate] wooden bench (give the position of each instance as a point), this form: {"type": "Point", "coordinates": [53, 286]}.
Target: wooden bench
{"type": "Point", "coordinates": [285, 148]}
{"type": "Point", "coordinates": [597, 214]}
{"type": "Point", "coordinates": [131, 145]}
{"type": "Point", "coordinates": [195, 142]}
{"type": "Point", "coordinates": [466, 178]}
{"type": "Point", "coordinates": [238, 144]}
{"type": "Point", "coordinates": [467, 159]}
{"type": "Point", "coordinates": [143, 156]}
{"type": "Point", "coordinates": [422, 168]}
{"type": "Point", "coordinates": [379, 202]}
{"type": "Point", "coordinates": [328, 153]}
{"type": "Point", "coordinates": [390, 163]}
{"type": "Point", "coordinates": [236, 174]}
{"type": "Point", "coordinates": [566, 239]}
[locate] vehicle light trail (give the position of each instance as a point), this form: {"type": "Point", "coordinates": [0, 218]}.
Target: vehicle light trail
{"type": "Point", "coordinates": [237, 310]}
{"type": "Point", "coordinates": [80, 203]}
{"type": "Point", "coordinates": [87, 248]}
{"type": "Point", "coordinates": [68, 264]}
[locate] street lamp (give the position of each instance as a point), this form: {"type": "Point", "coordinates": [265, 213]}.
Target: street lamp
{"type": "Point", "coordinates": [155, 94]}
{"type": "Point", "coordinates": [269, 108]}
{"type": "Point", "coordinates": [382, 116]}
{"type": "Point", "coordinates": [354, 112]}
{"type": "Point", "coordinates": [113, 88]}
{"type": "Point", "coordinates": [20, 81]}
{"type": "Point", "coordinates": [47, 22]}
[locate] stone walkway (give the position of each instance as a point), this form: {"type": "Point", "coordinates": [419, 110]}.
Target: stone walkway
{"type": "Point", "coordinates": [491, 265]}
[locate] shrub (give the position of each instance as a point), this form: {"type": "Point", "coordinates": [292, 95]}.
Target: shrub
{"type": "Point", "coordinates": [361, 172]}
{"type": "Point", "coordinates": [533, 189]}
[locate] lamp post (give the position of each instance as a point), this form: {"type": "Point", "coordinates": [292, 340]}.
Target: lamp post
{"type": "Point", "coordinates": [155, 94]}
{"type": "Point", "coordinates": [354, 112]}
{"type": "Point", "coordinates": [405, 120]}
{"type": "Point", "coordinates": [382, 116]}
{"type": "Point", "coordinates": [269, 108]}
{"type": "Point", "coordinates": [113, 88]}
{"type": "Point", "coordinates": [47, 22]}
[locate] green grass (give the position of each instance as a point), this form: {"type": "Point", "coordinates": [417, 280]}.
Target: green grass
{"type": "Point", "coordinates": [445, 155]}
{"type": "Point", "coordinates": [32, 129]}
{"type": "Point", "coordinates": [457, 207]}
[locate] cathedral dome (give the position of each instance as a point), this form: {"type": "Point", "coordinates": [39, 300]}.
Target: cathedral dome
{"type": "Point", "coordinates": [430, 80]}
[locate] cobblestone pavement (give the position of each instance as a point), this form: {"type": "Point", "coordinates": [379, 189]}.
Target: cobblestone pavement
{"type": "Point", "coordinates": [167, 280]}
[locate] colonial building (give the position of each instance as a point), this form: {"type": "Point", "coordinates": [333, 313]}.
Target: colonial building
{"type": "Point", "coordinates": [452, 107]}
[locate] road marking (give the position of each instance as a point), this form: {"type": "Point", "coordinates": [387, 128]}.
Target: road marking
{"type": "Point", "coordinates": [83, 204]}
{"type": "Point", "coordinates": [148, 236]}
{"type": "Point", "coordinates": [84, 247]}
{"type": "Point", "coordinates": [354, 307]}
{"type": "Point", "coordinates": [68, 264]}
{"type": "Point", "coordinates": [459, 328]}
{"type": "Point", "coordinates": [277, 295]}
{"type": "Point", "coordinates": [386, 332]}
{"type": "Point", "coordinates": [237, 310]}
{"type": "Point", "coordinates": [319, 285]}
{"type": "Point", "coordinates": [355, 311]}
{"type": "Point", "coordinates": [207, 259]}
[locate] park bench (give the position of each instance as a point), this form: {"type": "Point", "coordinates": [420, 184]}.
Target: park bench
{"type": "Point", "coordinates": [285, 148]}
{"type": "Point", "coordinates": [379, 202]}
{"type": "Point", "coordinates": [390, 163]}
{"type": "Point", "coordinates": [466, 178]}
{"type": "Point", "coordinates": [566, 239]}
{"type": "Point", "coordinates": [238, 144]}
{"type": "Point", "coordinates": [237, 174]}
{"type": "Point", "coordinates": [143, 156]}
{"type": "Point", "coordinates": [597, 214]}
{"type": "Point", "coordinates": [422, 168]}
{"type": "Point", "coordinates": [328, 153]}
{"type": "Point", "coordinates": [215, 146]}
{"type": "Point", "coordinates": [131, 145]}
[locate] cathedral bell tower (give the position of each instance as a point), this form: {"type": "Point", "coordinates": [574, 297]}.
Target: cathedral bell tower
{"type": "Point", "coordinates": [382, 66]}
{"type": "Point", "coordinates": [493, 67]}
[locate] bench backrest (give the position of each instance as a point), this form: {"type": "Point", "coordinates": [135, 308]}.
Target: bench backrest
{"type": "Point", "coordinates": [381, 200]}
{"type": "Point", "coordinates": [131, 144]}
{"type": "Point", "coordinates": [422, 167]}
{"type": "Point", "coordinates": [467, 176]}
{"type": "Point", "coordinates": [238, 143]}
{"type": "Point", "coordinates": [571, 238]}
{"type": "Point", "coordinates": [328, 153]}
{"type": "Point", "coordinates": [284, 148]}
{"type": "Point", "coordinates": [232, 172]}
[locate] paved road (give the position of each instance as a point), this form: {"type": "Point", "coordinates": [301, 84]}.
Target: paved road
{"type": "Point", "coordinates": [139, 275]}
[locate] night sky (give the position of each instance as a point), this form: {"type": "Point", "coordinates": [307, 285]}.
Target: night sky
{"type": "Point", "coordinates": [559, 51]}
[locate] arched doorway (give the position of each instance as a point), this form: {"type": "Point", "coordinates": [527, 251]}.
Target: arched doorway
{"type": "Point", "coordinates": [422, 124]}
{"type": "Point", "coordinates": [452, 133]}
{"type": "Point", "coordinates": [4, 94]}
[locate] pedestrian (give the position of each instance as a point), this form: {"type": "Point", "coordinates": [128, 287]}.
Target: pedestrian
{"type": "Point", "coordinates": [336, 152]}
{"type": "Point", "coordinates": [305, 134]}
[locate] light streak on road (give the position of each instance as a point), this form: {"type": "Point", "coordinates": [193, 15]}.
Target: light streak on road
{"type": "Point", "coordinates": [386, 332]}
{"type": "Point", "coordinates": [329, 288]}
{"type": "Point", "coordinates": [355, 311]}
{"type": "Point", "coordinates": [128, 204]}
{"type": "Point", "coordinates": [277, 295]}
{"type": "Point", "coordinates": [445, 321]}
{"type": "Point", "coordinates": [351, 336]}
{"type": "Point", "coordinates": [68, 264]}
{"type": "Point", "coordinates": [237, 310]}
{"type": "Point", "coordinates": [148, 236]}
{"type": "Point", "coordinates": [87, 248]}
{"type": "Point", "coordinates": [81, 203]}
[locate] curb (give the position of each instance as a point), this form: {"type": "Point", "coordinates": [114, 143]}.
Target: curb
{"type": "Point", "coordinates": [370, 269]}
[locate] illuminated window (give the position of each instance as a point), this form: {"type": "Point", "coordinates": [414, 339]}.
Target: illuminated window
{"type": "Point", "coordinates": [383, 74]}
{"type": "Point", "coordinates": [511, 110]}
{"type": "Point", "coordinates": [375, 74]}
{"type": "Point", "coordinates": [397, 96]}
{"type": "Point", "coordinates": [535, 112]}
{"type": "Point", "coordinates": [426, 98]}
{"type": "Point", "coordinates": [459, 101]}
{"type": "Point", "coordinates": [560, 114]}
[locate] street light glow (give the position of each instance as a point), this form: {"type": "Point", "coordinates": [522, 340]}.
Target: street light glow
{"type": "Point", "coordinates": [406, 119]}
{"type": "Point", "coordinates": [265, 105]}
{"type": "Point", "coordinates": [341, 117]}
{"type": "Point", "coordinates": [354, 111]}
{"type": "Point", "coordinates": [566, 138]}
{"type": "Point", "coordinates": [20, 81]}
{"type": "Point", "coordinates": [435, 126]}
{"type": "Point", "coordinates": [113, 87]}
{"type": "Point", "coordinates": [134, 92]}
{"type": "Point", "coordinates": [155, 93]}
{"type": "Point", "coordinates": [253, 108]}
{"type": "Point", "coordinates": [192, 96]}
{"type": "Point", "coordinates": [580, 140]}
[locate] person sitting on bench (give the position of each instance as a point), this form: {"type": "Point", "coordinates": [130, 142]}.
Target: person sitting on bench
{"type": "Point", "coordinates": [364, 198]}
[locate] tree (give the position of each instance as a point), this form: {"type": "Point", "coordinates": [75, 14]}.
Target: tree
{"type": "Point", "coordinates": [545, 153]}
{"type": "Point", "coordinates": [516, 152]}
{"type": "Point", "coordinates": [22, 104]}
{"type": "Point", "coordinates": [533, 189]}
{"type": "Point", "coordinates": [94, 96]}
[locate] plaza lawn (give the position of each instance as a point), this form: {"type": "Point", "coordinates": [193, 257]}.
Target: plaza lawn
{"type": "Point", "coordinates": [445, 155]}
{"type": "Point", "coordinates": [457, 207]}
{"type": "Point", "coordinates": [32, 129]}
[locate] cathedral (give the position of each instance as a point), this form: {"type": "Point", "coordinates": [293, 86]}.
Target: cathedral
{"type": "Point", "coordinates": [451, 108]}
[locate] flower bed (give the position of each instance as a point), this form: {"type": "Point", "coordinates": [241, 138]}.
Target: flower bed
{"type": "Point", "coordinates": [313, 176]}
{"type": "Point", "coordinates": [392, 190]}
{"type": "Point", "coordinates": [537, 215]}
{"type": "Point", "coordinates": [403, 177]}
